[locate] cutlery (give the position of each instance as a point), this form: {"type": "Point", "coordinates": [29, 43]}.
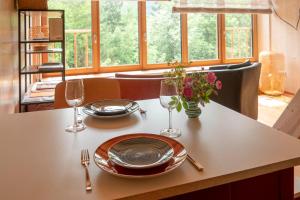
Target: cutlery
{"type": "Point", "coordinates": [142, 111]}
{"type": "Point", "coordinates": [85, 161]}
{"type": "Point", "coordinates": [196, 164]}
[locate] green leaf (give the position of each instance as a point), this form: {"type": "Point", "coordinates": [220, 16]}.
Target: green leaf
{"type": "Point", "coordinates": [185, 105]}
{"type": "Point", "coordinates": [174, 98]}
{"type": "Point", "coordinates": [209, 92]}
{"type": "Point", "coordinates": [179, 107]}
{"type": "Point", "coordinates": [172, 103]}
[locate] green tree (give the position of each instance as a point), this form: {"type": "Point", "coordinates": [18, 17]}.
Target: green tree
{"type": "Point", "coordinates": [119, 33]}
{"type": "Point", "coordinates": [77, 16]}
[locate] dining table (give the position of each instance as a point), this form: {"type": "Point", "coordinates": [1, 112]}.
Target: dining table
{"type": "Point", "coordinates": [241, 157]}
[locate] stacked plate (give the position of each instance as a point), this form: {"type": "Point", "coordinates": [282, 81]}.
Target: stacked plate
{"type": "Point", "coordinates": [140, 155]}
{"type": "Point", "coordinates": [113, 108]}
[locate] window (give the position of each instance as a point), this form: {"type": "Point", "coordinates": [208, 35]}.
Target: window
{"type": "Point", "coordinates": [163, 33]}
{"type": "Point", "coordinates": [78, 31]}
{"type": "Point", "coordinates": [203, 37]}
{"type": "Point", "coordinates": [238, 29]}
{"type": "Point", "coordinates": [119, 35]}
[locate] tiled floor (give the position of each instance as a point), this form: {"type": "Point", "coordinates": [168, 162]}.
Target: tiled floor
{"type": "Point", "coordinates": [270, 108]}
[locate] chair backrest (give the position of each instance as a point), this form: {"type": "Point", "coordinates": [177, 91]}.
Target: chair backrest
{"type": "Point", "coordinates": [94, 89]}
{"type": "Point", "coordinates": [131, 75]}
{"type": "Point", "coordinates": [289, 121]}
{"type": "Point", "coordinates": [139, 88]}
{"type": "Point", "coordinates": [240, 89]}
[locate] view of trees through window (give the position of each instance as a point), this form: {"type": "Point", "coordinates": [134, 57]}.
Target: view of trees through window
{"type": "Point", "coordinates": [163, 33]}
{"type": "Point", "coordinates": [203, 36]}
{"type": "Point", "coordinates": [238, 35]}
{"type": "Point", "coordinates": [120, 33]}
{"type": "Point", "coordinates": [78, 31]}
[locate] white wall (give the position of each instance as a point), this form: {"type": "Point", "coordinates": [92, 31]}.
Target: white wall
{"type": "Point", "coordinates": [8, 56]}
{"type": "Point", "coordinates": [284, 40]}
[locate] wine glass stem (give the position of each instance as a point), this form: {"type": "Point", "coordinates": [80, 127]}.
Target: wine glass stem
{"type": "Point", "coordinates": [75, 117]}
{"type": "Point", "coordinates": [170, 119]}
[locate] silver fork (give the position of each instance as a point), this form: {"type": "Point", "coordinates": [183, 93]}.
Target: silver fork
{"type": "Point", "coordinates": [142, 111]}
{"type": "Point", "coordinates": [85, 161]}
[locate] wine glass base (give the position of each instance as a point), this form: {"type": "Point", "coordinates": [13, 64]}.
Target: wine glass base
{"type": "Point", "coordinates": [172, 133]}
{"type": "Point", "coordinates": [79, 119]}
{"type": "Point", "coordinates": [75, 128]}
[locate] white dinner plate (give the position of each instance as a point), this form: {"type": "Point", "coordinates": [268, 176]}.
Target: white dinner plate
{"type": "Point", "coordinates": [140, 152]}
{"type": "Point", "coordinates": [107, 115]}
{"type": "Point", "coordinates": [103, 161]}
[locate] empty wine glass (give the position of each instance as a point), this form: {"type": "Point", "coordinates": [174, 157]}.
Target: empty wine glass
{"type": "Point", "coordinates": [74, 95]}
{"type": "Point", "coordinates": [169, 100]}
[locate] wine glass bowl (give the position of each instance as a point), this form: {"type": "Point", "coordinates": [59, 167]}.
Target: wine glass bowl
{"type": "Point", "coordinates": [169, 100]}
{"type": "Point", "coordinates": [74, 95]}
{"type": "Point", "coordinates": [168, 96]}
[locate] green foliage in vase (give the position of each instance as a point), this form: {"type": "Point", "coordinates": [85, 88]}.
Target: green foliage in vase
{"type": "Point", "coordinates": [195, 87]}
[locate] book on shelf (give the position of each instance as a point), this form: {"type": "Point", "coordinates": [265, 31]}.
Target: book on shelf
{"type": "Point", "coordinates": [48, 67]}
{"type": "Point", "coordinates": [46, 85]}
{"type": "Point", "coordinates": [42, 89]}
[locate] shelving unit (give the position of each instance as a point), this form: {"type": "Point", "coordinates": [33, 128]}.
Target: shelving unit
{"type": "Point", "coordinates": [29, 68]}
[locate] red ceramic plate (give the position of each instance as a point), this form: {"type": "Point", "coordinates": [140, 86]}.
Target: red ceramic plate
{"type": "Point", "coordinates": [101, 158]}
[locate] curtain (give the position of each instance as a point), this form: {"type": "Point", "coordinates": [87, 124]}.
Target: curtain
{"type": "Point", "coordinates": [223, 6]}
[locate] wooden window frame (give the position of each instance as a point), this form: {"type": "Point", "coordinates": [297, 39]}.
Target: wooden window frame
{"type": "Point", "coordinates": [142, 29]}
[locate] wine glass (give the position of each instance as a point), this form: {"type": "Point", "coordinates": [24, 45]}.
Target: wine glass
{"type": "Point", "coordinates": [169, 99]}
{"type": "Point", "coordinates": [74, 95]}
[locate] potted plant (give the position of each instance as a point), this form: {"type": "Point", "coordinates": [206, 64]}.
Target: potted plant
{"type": "Point", "coordinates": [194, 89]}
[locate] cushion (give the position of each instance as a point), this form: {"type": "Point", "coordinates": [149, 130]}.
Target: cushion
{"type": "Point", "coordinates": [236, 66]}
{"type": "Point", "coordinates": [219, 67]}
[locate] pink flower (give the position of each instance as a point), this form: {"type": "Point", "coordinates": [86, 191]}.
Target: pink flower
{"type": "Point", "coordinates": [211, 78]}
{"type": "Point", "coordinates": [188, 82]}
{"type": "Point", "coordinates": [219, 85]}
{"type": "Point", "coordinates": [188, 92]}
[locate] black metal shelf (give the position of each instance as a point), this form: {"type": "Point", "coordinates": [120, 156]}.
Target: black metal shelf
{"type": "Point", "coordinates": [50, 13]}
{"type": "Point", "coordinates": [36, 101]}
{"type": "Point", "coordinates": [27, 67]}
{"type": "Point", "coordinates": [39, 41]}
{"type": "Point", "coordinates": [32, 70]}
{"type": "Point", "coordinates": [56, 50]}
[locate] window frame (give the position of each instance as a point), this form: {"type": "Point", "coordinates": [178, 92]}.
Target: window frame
{"type": "Point", "coordinates": [142, 29]}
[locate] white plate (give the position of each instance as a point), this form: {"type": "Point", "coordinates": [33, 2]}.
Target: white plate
{"type": "Point", "coordinates": [140, 152]}
{"type": "Point", "coordinates": [103, 162]}
{"type": "Point", "coordinates": [89, 111]}
{"type": "Point", "coordinates": [110, 107]}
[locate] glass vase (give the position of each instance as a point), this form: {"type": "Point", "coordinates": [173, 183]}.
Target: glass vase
{"type": "Point", "coordinates": [193, 110]}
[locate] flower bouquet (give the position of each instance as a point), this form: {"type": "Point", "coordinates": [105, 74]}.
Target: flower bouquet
{"type": "Point", "coordinates": [193, 89]}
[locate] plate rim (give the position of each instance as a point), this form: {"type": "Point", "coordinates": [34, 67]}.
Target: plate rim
{"type": "Point", "coordinates": [130, 104]}
{"type": "Point", "coordinates": [135, 106]}
{"type": "Point", "coordinates": [176, 164]}
{"type": "Point", "coordinates": [147, 167]}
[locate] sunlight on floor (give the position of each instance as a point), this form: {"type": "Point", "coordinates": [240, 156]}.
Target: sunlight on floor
{"type": "Point", "coordinates": [271, 107]}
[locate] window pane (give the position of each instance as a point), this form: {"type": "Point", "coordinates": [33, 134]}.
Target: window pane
{"type": "Point", "coordinates": [203, 36]}
{"type": "Point", "coordinates": [78, 31]}
{"type": "Point", "coordinates": [238, 35]}
{"type": "Point", "coordinates": [163, 33]}
{"type": "Point", "coordinates": [119, 44]}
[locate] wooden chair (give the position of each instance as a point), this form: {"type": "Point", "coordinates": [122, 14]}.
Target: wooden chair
{"type": "Point", "coordinates": [139, 88]}
{"type": "Point", "coordinates": [289, 122]}
{"type": "Point", "coordinates": [94, 89]}
{"type": "Point", "coordinates": [143, 75]}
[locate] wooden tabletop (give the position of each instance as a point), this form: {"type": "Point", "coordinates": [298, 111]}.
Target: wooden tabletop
{"type": "Point", "coordinates": [39, 160]}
